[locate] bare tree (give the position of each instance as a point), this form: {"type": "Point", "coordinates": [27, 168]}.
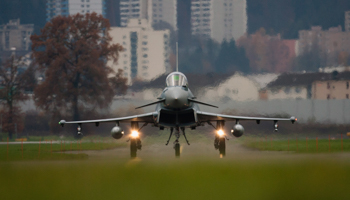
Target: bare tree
{"type": "Point", "coordinates": [12, 89]}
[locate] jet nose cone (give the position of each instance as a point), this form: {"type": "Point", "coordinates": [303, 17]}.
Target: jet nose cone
{"type": "Point", "coordinates": [176, 97]}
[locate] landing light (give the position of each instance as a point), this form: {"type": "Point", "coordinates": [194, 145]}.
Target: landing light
{"type": "Point", "coordinates": [134, 134]}
{"type": "Point", "coordinates": [221, 132]}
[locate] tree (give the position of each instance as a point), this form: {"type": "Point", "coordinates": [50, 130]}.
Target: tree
{"type": "Point", "coordinates": [72, 52]}
{"type": "Point", "coordinates": [12, 89]}
{"type": "Point", "coordinates": [231, 58]}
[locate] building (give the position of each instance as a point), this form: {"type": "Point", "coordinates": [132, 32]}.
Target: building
{"type": "Point", "coordinates": [329, 43]}
{"type": "Point", "coordinates": [71, 7]}
{"type": "Point", "coordinates": [164, 11]}
{"type": "Point", "coordinates": [333, 44]}
{"type": "Point", "coordinates": [236, 87]}
{"type": "Point", "coordinates": [146, 51]}
{"type": "Point", "coordinates": [308, 86]}
{"type": "Point", "coordinates": [219, 19]}
{"type": "Point", "coordinates": [347, 21]}
{"type": "Point", "coordinates": [133, 9]}
{"type": "Point", "coordinates": [15, 36]}
{"type": "Point", "coordinates": [210, 87]}
{"type": "Point", "coordinates": [334, 86]}
{"type": "Point", "coordinates": [155, 11]}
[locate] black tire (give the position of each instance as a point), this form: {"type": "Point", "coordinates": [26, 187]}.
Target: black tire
{"type": "Point", "coordinates": [133, 148]}
{"type": "Point", "coordinates": [138, 144]}
{"type": "Point", "coordinates": [177, 150]}
{"type": "Point", "coordinates": [222, 146]}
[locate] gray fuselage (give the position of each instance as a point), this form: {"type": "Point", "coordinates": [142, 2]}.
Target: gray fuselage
{"type": "Point", "coordinates": [177, 110]}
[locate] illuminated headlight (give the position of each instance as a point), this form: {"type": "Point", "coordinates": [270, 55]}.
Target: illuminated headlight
{"type": "Point", "coordinates": [134, 134]}
{"type": "Point", "coordinates": [221, 133]}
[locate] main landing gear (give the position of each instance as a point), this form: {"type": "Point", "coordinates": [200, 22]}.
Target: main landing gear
{"type": "Point", "coordinates": [176, 142]}
{"type": "Point", "coordinates": [220, 144]}
{"type": "Point", "coordinates": [220, 138]}
{"type": "Point", "coordinates": [135, 141]}
{"type": "Point", "coordinates": [135, 144]}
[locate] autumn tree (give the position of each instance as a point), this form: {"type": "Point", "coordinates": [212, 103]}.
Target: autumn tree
{"type": "Point", "coordinates": [12, 92]}
{"type": "Point", "coordinates": [72, 52]}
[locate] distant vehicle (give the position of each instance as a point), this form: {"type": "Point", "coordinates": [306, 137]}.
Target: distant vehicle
{"type": "Point", "coordinates": [177, 109]}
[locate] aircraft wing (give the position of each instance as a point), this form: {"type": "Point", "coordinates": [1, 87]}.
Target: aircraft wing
{"type": "Point", "coordinates": [206, 116]}
{"type": "Point", "coordinates": [147, 117]}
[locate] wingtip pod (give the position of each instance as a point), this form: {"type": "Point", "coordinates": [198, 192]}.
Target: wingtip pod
{"type": "Point", "coordinates": [62, 122]}
{"type": "Point", "coordinates": [293, 119]}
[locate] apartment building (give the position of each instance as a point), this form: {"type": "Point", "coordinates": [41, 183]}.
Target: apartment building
{"type": "Point", "coordinates": [71, 7]}
{"type": "Point", "coordinates": [347, 21]}
{"type": "Point", "coordinates": [219, 19]}
{"type": "Point", "coordinates": [155, 11]}
{"type": "Point", "coordinates": [146, 51]}
{"type": "Point", "coordinates": [15, 36]}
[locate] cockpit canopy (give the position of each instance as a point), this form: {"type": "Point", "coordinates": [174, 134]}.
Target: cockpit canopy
{"type": "Point", "coordinates": [176, 79]}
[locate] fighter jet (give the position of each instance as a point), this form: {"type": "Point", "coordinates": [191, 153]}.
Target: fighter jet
{"type": "Point", "coordinates": [177, 109]}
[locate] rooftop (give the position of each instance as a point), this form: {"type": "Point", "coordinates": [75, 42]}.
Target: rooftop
{"type": "Point", "coordinates": [305, 79]}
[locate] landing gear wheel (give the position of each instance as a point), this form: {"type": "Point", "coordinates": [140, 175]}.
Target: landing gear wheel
{"type": "Point", "coordinates": [138, 144]}
{"type": "Point", "coordinates": [133, 147]}
{"type": "Point", "coordinates": [177, 149]}
{"type": "Point", "coordinates": [222, 147]}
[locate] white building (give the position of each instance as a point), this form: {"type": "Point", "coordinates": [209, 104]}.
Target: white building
{"type": "Point", "coordinates": [146, 54]}
{"type": "Point", "coordinates": [219, 19]}
{"type": "Point", "coordinates": [155, 11]}
{"type": "Point", "coordinates": [237, 87]}
{"type": "Point", "coordinates": [164, 11]}
{"type": "Point", "coordinates": [71, 7]}
{"type": "Point", "coordinates": [132, 9]}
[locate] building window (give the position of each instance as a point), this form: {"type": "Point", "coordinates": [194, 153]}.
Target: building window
{"type": "Point", "coordinates": [328, 96]}
{"type": "Point", "coordinates": [328, 85]}
{"type": "Point", "coordinates": [347, 85]}
{"type": "Point", "coordinates": [347, 96]}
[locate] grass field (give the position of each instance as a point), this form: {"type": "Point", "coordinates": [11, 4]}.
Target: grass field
{"type": "Point", "coordinates": [55, 151]}
{"type": "Point", "coordinates": [324, 178]}
{"type": "Point", "coordinates": [299, 145]}
{"type": "Point", "coordinates": [157, 174]}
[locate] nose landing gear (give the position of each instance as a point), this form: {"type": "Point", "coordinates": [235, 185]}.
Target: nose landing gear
{"type": "Point", "coordinates": [176, 142]}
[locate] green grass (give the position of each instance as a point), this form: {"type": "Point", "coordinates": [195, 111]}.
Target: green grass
{"type": "Point", "coordinates": [16, 152]}
{"type": "Point", "coordinates": [177, 179]}
{"type": "Point", "coordinates": [254, 175]}
{"type": "Point", "coordinates": [299, 145]}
